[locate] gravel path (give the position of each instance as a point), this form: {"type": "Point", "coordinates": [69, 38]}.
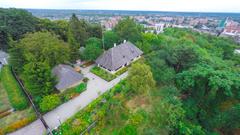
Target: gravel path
{"type": "Point", "coordinates": [96, 86]}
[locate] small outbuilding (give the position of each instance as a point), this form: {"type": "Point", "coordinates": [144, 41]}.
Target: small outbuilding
{"type": "Point", "coordinates": [67, 77]}
{"type": "Point", "coordinates": [118, 57]}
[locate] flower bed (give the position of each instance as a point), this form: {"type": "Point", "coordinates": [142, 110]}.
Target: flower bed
{"type": "Point", "coordinates": [103, 74]}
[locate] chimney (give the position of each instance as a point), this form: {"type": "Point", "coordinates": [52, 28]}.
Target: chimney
{"type": "Point", "coordinates": [115, 44]}
{"type": "Point", "coordinates": [124, 41]}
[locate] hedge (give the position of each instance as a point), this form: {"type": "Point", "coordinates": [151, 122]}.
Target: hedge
{"type": "Point", "coordinates": [81, 87]}
{"type": "Point", "coordinates": [15, 95]}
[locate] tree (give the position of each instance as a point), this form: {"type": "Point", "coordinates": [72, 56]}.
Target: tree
{"type": "Point", "coordinates": [140, 78]}
{"type": "Point", "coordinates": [73, 46]}
{"type": "Point", "coordinates": [95, 30]}
{"type": "Point", "coordinates": [127, 29]}
{"type": "Point", "coordinates": [58, 27]}
{"type": "Point", "coordinates": [167, 112]}
{"type": "Point", "coordinates": [228, 120]}
{"type": "Point", "coordinates": [44, 47]}
{"type": "Point", "coordinates": [39, 53]}
{"type": "Point", "coordinates": [205, 89]}
{"type": "Point", "coordinates": [183, 56]}
{"type": "Point", "coordinates": [147, 42]}
{"type": "Point", "coordinates": [93, 49]}
{"type": "Point", "coordinates": [162, 73]}
{"type": "Point", "coordinates": [110, 38]}
{"type": "Point", "coordinates": [17, 22]}
{"type": "Point", "coordinates": [4, 39]}
{"type": "Point", "coordinates": [16, 59]}
{"type": "Point", "coordinates": [38, 79]}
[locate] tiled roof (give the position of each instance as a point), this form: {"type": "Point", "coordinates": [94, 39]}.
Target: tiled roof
{"type": "Point", "coordinates": [118, 56]}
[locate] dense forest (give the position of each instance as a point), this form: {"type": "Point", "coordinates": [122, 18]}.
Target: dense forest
{"type": "Point", "coordinates": [196, 92]}
{"type": "Point", "coordinates": [187, 83]}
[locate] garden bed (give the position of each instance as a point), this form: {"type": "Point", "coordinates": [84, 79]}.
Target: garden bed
{"type": "Point", "coordinates": [95, 111]}
{"type": "Point", "coordinates": [16, 120]}
{"type": "Point", "coordinates": [50, 102]}
{"type": "Point", "coordinates": [106, 75]}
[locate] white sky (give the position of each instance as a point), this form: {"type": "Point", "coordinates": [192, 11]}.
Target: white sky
{"type": "Point", "coordinates": [152, 5]}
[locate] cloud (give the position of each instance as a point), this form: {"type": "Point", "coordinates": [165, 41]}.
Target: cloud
{"type": "Point", "coordinates": [159, 5]}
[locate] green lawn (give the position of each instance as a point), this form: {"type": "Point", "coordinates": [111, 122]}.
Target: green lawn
{"type": "Point", "coordinates": [15, 95]}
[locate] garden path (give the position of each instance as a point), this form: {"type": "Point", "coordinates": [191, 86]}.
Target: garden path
{"type": "Point", "coordinates": [96, 86]}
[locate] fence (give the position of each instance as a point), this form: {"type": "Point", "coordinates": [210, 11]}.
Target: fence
{"type": "Point", "coordinates": [39, 115]}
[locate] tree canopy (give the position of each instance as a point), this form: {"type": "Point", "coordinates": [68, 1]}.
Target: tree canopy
{"type": "Point", "coordinates": [127, 29]}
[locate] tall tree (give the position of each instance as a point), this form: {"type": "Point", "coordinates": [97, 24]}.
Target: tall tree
{"type": "Point", "coordinates": [140, 78]}
{"type": "Point", "coordinates": [127, 29]}
{"type": "Point", "coordinates": [38, 78]}
{"type": "Point", "coordinates": [110, 38]}
{"type": "Point", "coordinates": [39, 53]}
{"type": "Point", "coordinates": [93, 49]}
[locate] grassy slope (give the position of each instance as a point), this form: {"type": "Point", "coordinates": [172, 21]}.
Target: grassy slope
{"type": "Point", "coordinates": [4, 103]}
{"type": "Point", "coordinates": [15, 94]}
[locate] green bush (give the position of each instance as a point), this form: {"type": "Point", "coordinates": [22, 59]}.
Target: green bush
{"type": "Point", "coordinates": [50, 102]}
{"type": "Point", "coordinates": [80, 88]}
{"type": "Point", "coordinates": [15, 94]}
{"type": "Point", "coordinates": [103, 74]}
{"type": "Point", "coordinates": [85, 79]}
{"type": "Point", "coordinates": [128, 130]}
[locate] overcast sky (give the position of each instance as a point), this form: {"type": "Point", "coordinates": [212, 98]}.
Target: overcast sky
{"type": "Point", "coordinates": [151, 5]}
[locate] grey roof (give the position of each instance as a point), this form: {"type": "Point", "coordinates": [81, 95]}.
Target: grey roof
{"type": "Point", "coordinates": [3, 58]}
{"type": "Point", "coordinates": [3, 54]}
{"type": "Point", "coordinates": [118, 56]}
{"type": "Point", "coordinates": [67, 76]}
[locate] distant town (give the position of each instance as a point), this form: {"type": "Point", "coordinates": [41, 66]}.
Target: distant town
{"type": "Point", "coordinates": [219, 24]}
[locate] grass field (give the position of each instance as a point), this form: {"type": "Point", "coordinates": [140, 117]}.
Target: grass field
{"type": "Point", "coordinates": [15, 95]}
{"type": "Point", "coordinates": [4, 103]}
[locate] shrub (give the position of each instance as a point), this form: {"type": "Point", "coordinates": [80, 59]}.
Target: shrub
{"type": "Point", "coordinates": [103, 74]}
{"type": "Point", "coordinates": [80, 88]}
{"type": "Point", "coordinates": [15, 94]}
{"type": "Point", "coordinates": [50, 102]}
{"type": "Point", "coordinates": [128, 130]}
{"type": "Point", "coordinates": [85, 79]}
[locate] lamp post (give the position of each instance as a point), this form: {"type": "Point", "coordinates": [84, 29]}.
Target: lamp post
{"type": "Point", "coordinates": [58, 117]}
